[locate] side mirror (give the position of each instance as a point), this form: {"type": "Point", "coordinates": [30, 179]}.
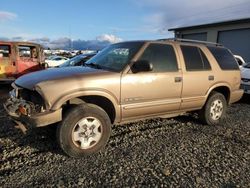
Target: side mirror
{"type": "Point", "coordinates": [142, 66]}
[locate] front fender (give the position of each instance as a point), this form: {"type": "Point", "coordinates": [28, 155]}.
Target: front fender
{"type": "Point", "coordinates": [81, 93]}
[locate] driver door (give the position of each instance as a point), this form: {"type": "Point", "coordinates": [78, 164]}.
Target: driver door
{"type": "Point", "coordinates": [156, 92]}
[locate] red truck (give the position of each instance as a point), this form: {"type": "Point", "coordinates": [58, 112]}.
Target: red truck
{"type": "Point", "coordinates": [18, 58]}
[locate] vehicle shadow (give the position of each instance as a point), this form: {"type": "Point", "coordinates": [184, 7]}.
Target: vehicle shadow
{"type": "Point", "coordinates": [245, 99]}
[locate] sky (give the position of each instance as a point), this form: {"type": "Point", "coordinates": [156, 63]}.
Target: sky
{"type": "Point", "coordinates": [55, 22]}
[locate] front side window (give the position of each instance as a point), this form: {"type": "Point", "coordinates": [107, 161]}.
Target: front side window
{"type": "Point", "coordinates": [195, 59]}
{"type": "Point", "coordinates": [162, 57]}
{"type": "Point", "coordinates": [116, 56]}
{"type": "Point", "coordinates": [4, 51]}
{"type": "Point", "coordinates": [58, 59]}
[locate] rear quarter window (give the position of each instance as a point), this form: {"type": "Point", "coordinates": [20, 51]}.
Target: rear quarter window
{"type": "Point", "coordinates": [224, 58]}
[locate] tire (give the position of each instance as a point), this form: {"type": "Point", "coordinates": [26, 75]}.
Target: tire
{"type": "Point", "coordinates": [45, 65]}
{"type": "Point", "coordinates": [84, 130]}
{"type": "Point", "coordinates": [214, 110]}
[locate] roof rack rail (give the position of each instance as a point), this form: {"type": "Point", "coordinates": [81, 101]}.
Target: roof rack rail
{"type": "Point", "coordinates": [191, 41]}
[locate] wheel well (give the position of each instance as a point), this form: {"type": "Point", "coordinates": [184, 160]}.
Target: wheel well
{"type": "Point", "coordinates": [223, 90]}
{"type": "Point", "coordinates": [100, 101]}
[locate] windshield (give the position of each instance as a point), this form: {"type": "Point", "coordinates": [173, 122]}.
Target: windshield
{"type": "Point", "coordinates": [115, 57]}
{"type": "Point", "coordinates": [72, 61]}
{"type": "Point", "coordinates": [247, 66]}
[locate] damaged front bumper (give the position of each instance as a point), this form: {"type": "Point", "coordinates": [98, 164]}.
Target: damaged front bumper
{"type": "Point", "coordinates": [21, 112]}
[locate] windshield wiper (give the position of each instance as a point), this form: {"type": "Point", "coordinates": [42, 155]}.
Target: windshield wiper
{"type": "Point", "coordinates": [94, 65]}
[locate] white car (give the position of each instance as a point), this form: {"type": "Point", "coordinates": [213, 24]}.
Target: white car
{"type": "Point", "coordinates": [55, 61]}
{"type": "Point", "coordinates": [245, 78]}
{"type": "Point", "coordinates": [240, 60]}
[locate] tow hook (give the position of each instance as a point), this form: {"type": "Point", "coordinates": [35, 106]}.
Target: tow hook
{"type": "Point", "coordinates": [22, 110]}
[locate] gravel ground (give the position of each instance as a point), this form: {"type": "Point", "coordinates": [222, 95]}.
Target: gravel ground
{"type": "Point", "coordinates": [177, 152]}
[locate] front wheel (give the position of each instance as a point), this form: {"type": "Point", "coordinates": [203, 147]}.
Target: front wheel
{"type": "Point", "coordinates": [85, 130]}
{"type": "Point", "coordinates": [214, 110]}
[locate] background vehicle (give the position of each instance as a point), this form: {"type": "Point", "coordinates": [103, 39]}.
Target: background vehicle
{"type": "Point", "coordinates": [240, 60]}
{"type": "Point", "coordinates": [78, 60]}
{"type": "Point", "coordinates": [19, 58]}
{"type": "Point", "coordinates": [245, 78]}
{"type": "Point", "coordinates": [55, 61]}
{"type": "Point", "coordinates": [50, 57]}
{"type": "Point", "coordinates": [127, 81]}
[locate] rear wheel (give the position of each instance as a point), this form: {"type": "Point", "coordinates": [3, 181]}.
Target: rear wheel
{"type": "Point", "coordinates": [85, 130]}
{"type": "Point", "coordinates": [214, 110]}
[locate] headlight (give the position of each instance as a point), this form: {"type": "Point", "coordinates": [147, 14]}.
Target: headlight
{"type": "Point", "coordinates": [13, 93]}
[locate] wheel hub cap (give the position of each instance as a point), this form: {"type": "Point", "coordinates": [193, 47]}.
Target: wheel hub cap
{"type": "Point", "coordinates": [87, 132]}
{"type": "Point", "coordinates": [216, 109]}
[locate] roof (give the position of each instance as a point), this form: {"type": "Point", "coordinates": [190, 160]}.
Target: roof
{"type": "Point", "coordinates": [19, 43]}
{"type": "Point", "coordinates": [228, 22]}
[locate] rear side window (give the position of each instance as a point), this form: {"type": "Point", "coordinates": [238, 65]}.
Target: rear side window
{"type": "Point", "coordinates": [4, 51]}
{"type": "Point", "coordinates": [195, 59]}
{"type": "Point", "coordinates": [27, 51]}
{"type": "Point", "coordinates": [224, 58]}
{"type": "Point", "coordinates": [162, 56]}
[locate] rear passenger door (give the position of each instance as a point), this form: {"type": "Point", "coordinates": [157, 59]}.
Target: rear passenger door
{"type": "Point", "coordinates": [197, 76]}
{"type": "Point", "coordinates": [155, 92]}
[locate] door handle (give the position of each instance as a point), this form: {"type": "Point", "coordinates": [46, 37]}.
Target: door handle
{"type": "Point", "coordinates": [178, 79]}
{"type": "Point", "coordinates": [211, 77]}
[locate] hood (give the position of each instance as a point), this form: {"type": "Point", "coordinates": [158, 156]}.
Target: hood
{"type": "Point", "coordinates": [245, 72]}
{"type": "Point", "coordinates": [28, 81]}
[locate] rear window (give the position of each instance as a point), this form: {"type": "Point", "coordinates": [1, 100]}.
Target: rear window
{"type": "Point", "coordinates": [224, 58]}
{"type": "Point", "coordinates": [195, 59]}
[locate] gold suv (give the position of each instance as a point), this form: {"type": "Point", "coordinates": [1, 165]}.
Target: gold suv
{"type": "Point", "coordinates": [125, 82]}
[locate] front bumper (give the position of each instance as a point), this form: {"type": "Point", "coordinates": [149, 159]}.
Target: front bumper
{"type": "Point", "coordinates": [31, 120]}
